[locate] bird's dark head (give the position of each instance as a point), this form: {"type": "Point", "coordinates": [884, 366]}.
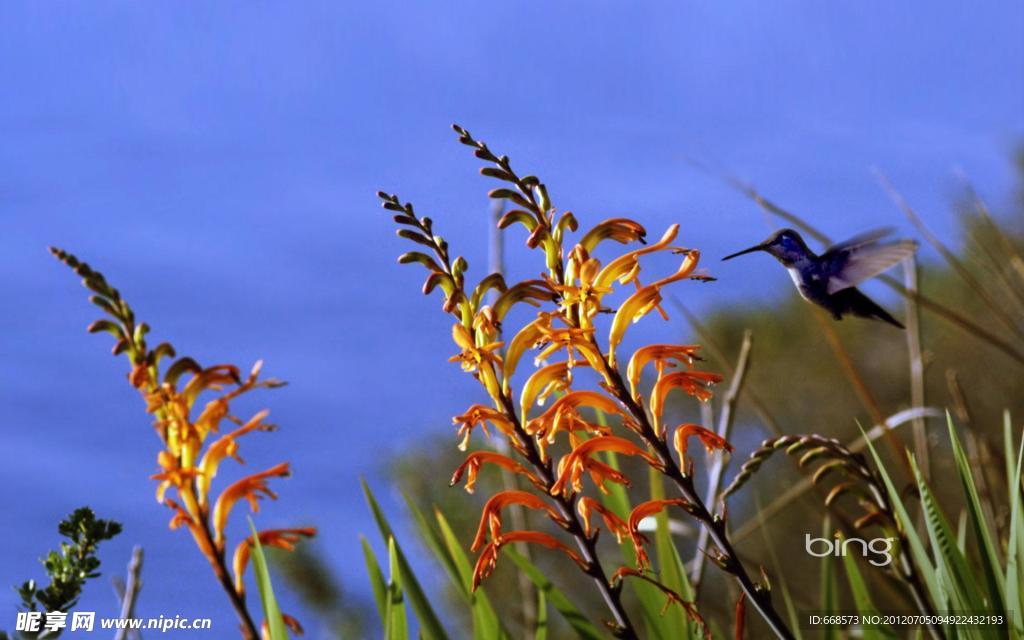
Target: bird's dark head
{"type": "Point", "coordinates": [785, 244]}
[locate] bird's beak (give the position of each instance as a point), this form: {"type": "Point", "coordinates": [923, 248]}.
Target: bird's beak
{"type": "Point", "coordinates": [756, 247]}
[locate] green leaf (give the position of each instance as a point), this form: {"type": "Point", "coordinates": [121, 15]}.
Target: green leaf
{"type": "Point", "coordinates": [989, 558]}
{"type": "Point", "coordinates": [430, 625]}
{"type": "Point", "coordinates": [583, 627]}
{"type": "Point", "coordinates": [671, 571]}
{"type": "Point", "coordinates": [829, 599]}
{"type": "Point", "coordinates": [271, 612]}
{"type": "Point", "coordinates": [485, 621]}
{"type": "Point", "coordinates": [542, 617]}
{"type": "Point", "coordinates": [377, 581]}
{"type": "Point", "coordinates": [396, 625]}
{"type": "Point", "coordinates": [1015, 538]}
{"type": "Point", "coordinates": [953, 570]}
{"type": "Point", "coordinates": [861, 596]}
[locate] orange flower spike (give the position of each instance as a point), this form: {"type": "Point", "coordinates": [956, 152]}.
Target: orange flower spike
{"type": "Point", "coordinates": [474, 461]}
{"type": "Point", "coordinates": [225, 446]}
{"type": "Point", "coordinates": [641, 511]}
{"type": "Point", "coordinates": [662, 355]}
{"type": "Point", "coordinates": [250, 488]}
{"type": "Point", "coordinates": [695, 383]}
{"type": "Point", "coordinates": [488, 558]}
{"type": "Point", "coordinates": [478, 414]}
{"type": "Point", "coordinates": [614, 523]}
{"type": "Point", "coordinates": [280, 538]}
{"type": "Point", "coordinates": [490, 518]}
{"type": "Point", "coordinates": [711, 440]}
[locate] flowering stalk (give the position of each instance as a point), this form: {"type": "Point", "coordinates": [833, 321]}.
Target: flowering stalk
{"type": "Point", "coordinates": [191, 456]}
{"type": "Point", "coordinates": [482, 360]}
{"type": "Point", "coordinates": [582, 283]}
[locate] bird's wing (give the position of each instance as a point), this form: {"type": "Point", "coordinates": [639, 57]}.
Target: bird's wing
{"type": "Point", "coordinates": [862, 257]}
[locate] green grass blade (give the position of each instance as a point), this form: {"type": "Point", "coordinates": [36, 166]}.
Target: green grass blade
{"type": "Point", "coordinates": [580, 624]}
{"type": "Point", "coordinates": [990, 563]}
{"type": "Point", "coordinates": [954, 571]}
{"type": "Point", "coordinates": [485, 621]}
{"type": "Point", "coordinates": [1015, 538]}
{"type": "Point", "coordinates": [271, 611]}
{"type": "Point", "coordinates": [542, 617]}
{"type": "Point", "coordinates": [862, 597]}
{"type": "Point", "coordinates": [651, 600]}
{"type": "Point", "coordinates": [430, 624]}
{"type": "Point", "coordinates": [671, 571]}
{"type": "Point", "coordinates": [397, 627]}
{"type": "Point", "coordinates": [829, 598]}
{"type": "Point", "coordinates": [377, 581]}
{"type": "Point", "coordinates": [918, 551]}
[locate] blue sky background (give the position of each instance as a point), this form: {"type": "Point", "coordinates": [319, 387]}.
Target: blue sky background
{"type": "Point", "coordinates": [219, 162]}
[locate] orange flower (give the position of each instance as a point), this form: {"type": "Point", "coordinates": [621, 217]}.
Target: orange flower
{"type": "Point", "coordinates": [250, 488]}
{"type": "Point", "coordinates": [471, 467]}
{"type": "Point", "coordinates": [614, 523]}
{"type": "Point", "coordinates": [280, 538]}
{"type": "Point", "coordinates": [711, 440]}
{"type": "Point", "coordinates": [478, 414]}
{"type": "Point", "coordinates": [641, 511]}
{"type": "Point", "coordinates": [640, 303]}
{"type": "Point", "coordinates": [626, 267]}
{"type": "Point", "coordinates": [572, 466]}
{"type": "Point", "coordinates": [695, 383]}
{"type": "Point", "coordinates": [226, 445]}
{"type": "Point", "coordinates": [490, 518]}
{"type": "Point", "coordinates": [563, 415]}
{"type": "Point", "coordinates": [478, 359]}
{"type": "Point", "coordinates": [662, 355]}
{"type": "Point", "coordinates": [488, 558]}
{"type": "Point", "coordinates": [550, 379]}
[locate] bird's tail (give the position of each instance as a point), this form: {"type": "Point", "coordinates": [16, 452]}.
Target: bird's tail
{"type": "Point", "coordinates": [856, 303]}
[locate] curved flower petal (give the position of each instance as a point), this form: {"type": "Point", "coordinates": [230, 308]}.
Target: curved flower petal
{"type": "Point", "coordinates": [662, 355]}
{"type": "Point", "coordinates": [672, 597]}
{"type": "Point", "coordinates": [624, 267]}
{"type": "Point", "coordinates": [641, 511]}
{"type": "Point", "coordinates": [280, 538]}
{"type": "Point", "coordinates": [490, 518]}
{"type": "Point", "coordinates": [572, 466]}
{"type": "Point", "coordinates": [488, 558]}
{"type": "Point", "coordinates": [478, 414]}
{"type": "Point", "coordinates": [621, 230]}
{"type": "Point", "coordinates": [695, 383]}
{"type": "Point", "coordinates": [711, 440]}
{"type": "Point", "coordinates": [250, 488]}
{"type": "Point", "coordinates": [615, 524]}
{"type": "Point", "coordinates": [471, 467]}
{"type": "Point", "coordinates": [226, 445]}
{"type": "Point", "coordinates": [642, 301]}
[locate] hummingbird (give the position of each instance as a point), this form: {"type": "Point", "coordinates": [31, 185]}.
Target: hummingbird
{"type": "Point", "coordinates": [830, 280]}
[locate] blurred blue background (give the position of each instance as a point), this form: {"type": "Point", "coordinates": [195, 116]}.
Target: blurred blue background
{"type": "Point", "coordinates": [219, 162]}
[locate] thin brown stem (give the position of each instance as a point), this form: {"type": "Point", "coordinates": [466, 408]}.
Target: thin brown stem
{"type": "Point", "coordinates": [220, 569]}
